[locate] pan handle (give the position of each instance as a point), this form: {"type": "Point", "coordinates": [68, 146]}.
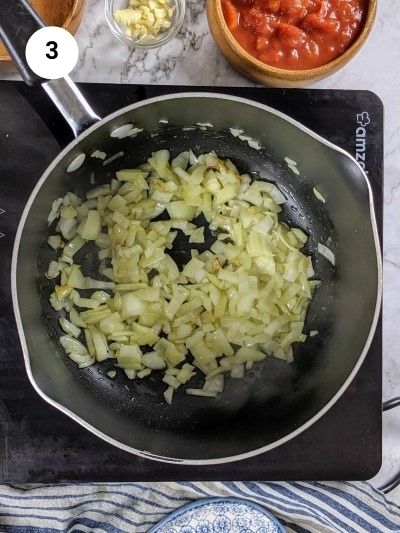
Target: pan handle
{"type": "Point", "coordinates": [18, 22]}
{"type": "Point", "coordinates": [72, 104]}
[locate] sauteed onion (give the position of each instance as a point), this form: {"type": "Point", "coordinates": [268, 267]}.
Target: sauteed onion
{"type": "Point", "coordinates": [228, 307]}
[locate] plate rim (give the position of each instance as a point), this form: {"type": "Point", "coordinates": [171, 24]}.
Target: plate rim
{"type": "Point", "coordinates": [214, 500]}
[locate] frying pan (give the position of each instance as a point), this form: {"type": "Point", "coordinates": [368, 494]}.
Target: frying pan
{"type": "Point", "coordinates": [276, 400]}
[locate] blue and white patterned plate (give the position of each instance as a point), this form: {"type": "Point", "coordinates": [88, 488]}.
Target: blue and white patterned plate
{"type": "Point", "coordinates": [220, 515]}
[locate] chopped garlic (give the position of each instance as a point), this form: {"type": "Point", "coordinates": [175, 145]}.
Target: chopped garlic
{"type": "Point", "coordinates": [145, 19]}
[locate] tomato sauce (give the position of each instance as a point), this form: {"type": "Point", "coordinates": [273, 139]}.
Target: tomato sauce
{"type": "Point", "coordinates": [295, 34]}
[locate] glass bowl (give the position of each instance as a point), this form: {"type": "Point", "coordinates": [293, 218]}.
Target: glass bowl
{"type": "Point", "coordinates": [144, 44]}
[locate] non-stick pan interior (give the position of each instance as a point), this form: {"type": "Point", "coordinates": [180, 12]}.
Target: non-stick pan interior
{"type": "Point", "coordinates": [275, 398]}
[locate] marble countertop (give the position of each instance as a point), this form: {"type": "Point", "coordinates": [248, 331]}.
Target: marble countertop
{"type": "Point", "coordinates": [376, 67]}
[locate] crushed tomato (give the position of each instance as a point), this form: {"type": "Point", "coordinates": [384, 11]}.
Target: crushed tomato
{"type": "Point", "coordinates": [295, 34]}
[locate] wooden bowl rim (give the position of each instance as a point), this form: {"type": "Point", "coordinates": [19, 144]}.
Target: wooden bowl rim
{"type": "Point", "coordinates": [297, 75]}
{"type": "Point", "coordinates": [77, 5]}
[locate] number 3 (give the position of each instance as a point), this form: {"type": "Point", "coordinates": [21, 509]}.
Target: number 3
{"type": "Point", "coordinates": [53, 54]}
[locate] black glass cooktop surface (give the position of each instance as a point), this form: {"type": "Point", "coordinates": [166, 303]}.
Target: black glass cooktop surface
{"type": "Point", "coordinates": [40, 444]}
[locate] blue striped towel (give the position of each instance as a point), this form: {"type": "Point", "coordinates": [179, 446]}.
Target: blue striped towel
{"type": "Point", "coordinates": [136, 507]}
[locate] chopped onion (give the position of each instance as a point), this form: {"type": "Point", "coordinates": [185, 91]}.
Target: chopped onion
{"type": "Point", "coordinates": [181, 161]}
{"type": "Point", "coordinates": [202, 392]}
{"type": "Point", "coordinates": [143, 373]}
{"type": "Point", "coordinates": [80, 359]}
{"type": "Point", "coordinates": [101, 296]}
{"type": "Point", "coordinates": [87, 363]}
{"type": "Point", "coordinates": [171, 381]}
{"type": "Point", "coordinates": [76, 163]}
{"type": "Point", "coordinates": [237, 372]}
{"type": "Point", "coordinates": [215, 383]}
{"type": "Point", "coordinates": [181, 210]}
{"type": "Point", "coordinates": [326, 252]}
{"type": "Point", "coordinates": [112, 158]}
{"type": "Point", "coordinates": [76, 319]}
{"type": "Point", "coordinates": [254, 144]}
{"type": "Point", "coordinates": [235, 132]}
{"type": "Point", "coordinates": [153, 360]}
{"type": "Point", "coordinates": [134, 132]}
{"type": "Point", "coordinates": [55, 241]}
{"type": "Point", "coordinates": [100, 344]}
{"type": "Point", "coordinates": [318, 195]}
{"type": "Point", "coordinates": [132, 306]}
{"type": "Point", "coordinates": [121, 131]}
{"type": "Point", "coordinates": [168, 395]}
{"type": "Point", "coordinates": [98, 154]}
{"type": "Point", "coordinates": [69, 328]}
{"type": "Point", "coordinates": [55, 211]}
{"type": "Point", "coordinates": [290, 161]}
{"type": "Point", "coordinates": [98, 284]}
{"type": "Point", "coordinates": [53, 270]}
{"type": "Point", "coordinates": [90, 228]}
{"type": "Point", "coordinates": [72, 345]}
{"type": "Point", "coordinates": [226, 309]}
{"type": "Point", "coordinates": [68, 228]}
{"type": "Point", "coordinates": [102, 190]}
{"type": "Point", "coordinates": [74, 246]}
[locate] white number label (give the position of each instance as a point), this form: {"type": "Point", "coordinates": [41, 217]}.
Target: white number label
{"type": "Point", "coordinates": [52, 53]}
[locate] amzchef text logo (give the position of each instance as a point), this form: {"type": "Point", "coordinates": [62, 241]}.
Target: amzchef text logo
{"type": "Point", "coordinates": [363, 120]}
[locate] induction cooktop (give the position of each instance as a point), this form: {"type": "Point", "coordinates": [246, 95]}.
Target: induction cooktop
{"type": "Point", "coordinates": [40, 444]}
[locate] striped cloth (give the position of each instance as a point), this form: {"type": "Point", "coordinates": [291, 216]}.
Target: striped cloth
{"type": "Point", "coordinates": [136, 507]}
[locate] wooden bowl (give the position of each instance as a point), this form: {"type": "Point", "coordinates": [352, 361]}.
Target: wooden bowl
{"type": "Point", "coordinates": [265, 74]}
{"type": "Point", "coordinates": [64, 13]}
